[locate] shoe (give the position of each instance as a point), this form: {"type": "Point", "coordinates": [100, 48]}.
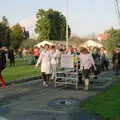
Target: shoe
{"type": "Point", "coordinates": [86, 88]}
{"type": "Point", "coordinates": [95, 77]}
{"type": "Point", "coordinates": [44, 83]}
{"type": "Point", "coordinates": [3, 86]}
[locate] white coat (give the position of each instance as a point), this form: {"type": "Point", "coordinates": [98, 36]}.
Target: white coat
{"type": "Point", "coordinates": [45, 61]}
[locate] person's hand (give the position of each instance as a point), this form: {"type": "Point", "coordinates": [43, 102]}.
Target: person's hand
{"type": "Point", "coordinates": [36, 66]}
{"type": "Point", "coordinates": [95, 68]}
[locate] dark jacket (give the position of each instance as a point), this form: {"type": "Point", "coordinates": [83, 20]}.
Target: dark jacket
{"type": "Point", "coordinates": [11, 54]}
{"type": "Point", "coordinates": [2, 60]}
{"type": "Point", "coordinates": [96, 57]}
{"type": "Point", "coordinates": [116, 58]}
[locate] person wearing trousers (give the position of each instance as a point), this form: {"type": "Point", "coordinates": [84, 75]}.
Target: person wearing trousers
{"type": "Point", "coordinates": [11, 57]}
{"type": "Point", "coordinates": [53, 61]}
{"type": "Point", "coordinates": [116, 61]}
{"type": "Point", "coordinates": [86, 62]}
{"type": "Point", "coordinates": [45, 61]}
{"type": "Point", "coordinates": [2, 66]}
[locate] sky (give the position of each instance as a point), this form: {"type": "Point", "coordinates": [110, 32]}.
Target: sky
{"type": "Point", "coordinates": [84, 16]}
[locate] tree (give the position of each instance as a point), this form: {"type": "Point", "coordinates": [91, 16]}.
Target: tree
{"type": "Point", "coordinates": [4, 32]}
{"type": "Point", "coordinates": [28, 43]}
{"type": "Point", "coordinates": [114, 40]}
{"type": "Point", "coordinates": [16, 35]}
{"type": "Point", "coordinates": [51, 24]}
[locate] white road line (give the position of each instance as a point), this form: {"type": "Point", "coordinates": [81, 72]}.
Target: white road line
{"type": "Point", "coordinates": [39, 110]}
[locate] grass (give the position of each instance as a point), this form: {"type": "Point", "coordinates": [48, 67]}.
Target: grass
{"type": "Point", "coordinates": [106, 104]}
{"type": "Point", "coordinates": [20, 71]}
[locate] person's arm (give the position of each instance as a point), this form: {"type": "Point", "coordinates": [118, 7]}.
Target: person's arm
{"type": "Point", "coordinates": [113, 58]}
{"type": "Point", "coordinates": [92, 61]}
{"type": "Point", "coordinates": [39, 60]}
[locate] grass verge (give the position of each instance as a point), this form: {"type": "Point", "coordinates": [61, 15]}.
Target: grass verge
{"type": "Point", "coordinates": [106, 104]}
{"type": "Point", "coordinates": [20, 71]}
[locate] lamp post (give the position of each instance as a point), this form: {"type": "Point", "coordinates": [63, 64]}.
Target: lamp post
{"type": "Point", "coordinates": [67, 34]}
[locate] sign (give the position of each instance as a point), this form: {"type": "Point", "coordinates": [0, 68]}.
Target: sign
{"type": "Point", "coordinates": [66, 61]}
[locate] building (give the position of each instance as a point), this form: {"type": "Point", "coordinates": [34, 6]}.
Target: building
{"type": "Point", "coordinates": [103, 36]}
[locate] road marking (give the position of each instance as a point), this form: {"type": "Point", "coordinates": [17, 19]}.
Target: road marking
{"type": "Point", "coordinates": [39, 110]}
{"type": "Point", "coordinates": [2, 118]}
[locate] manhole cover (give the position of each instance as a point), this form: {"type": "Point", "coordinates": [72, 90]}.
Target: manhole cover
{"type": "Point", "coordinates": [2, 118]}
{"type": "Point", "coordinates": [64, 102]}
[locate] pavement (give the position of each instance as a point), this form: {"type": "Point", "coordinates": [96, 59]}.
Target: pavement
{"type": "Point", "coordinates": [29, 101]}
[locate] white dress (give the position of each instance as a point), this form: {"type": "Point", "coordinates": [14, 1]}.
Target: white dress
{"type": "Point", "coordinates": [58, 58]}
{"type": "Point", "coordinates": [45, 60]}
{"type": "Point", "coordinates": [53, 63]}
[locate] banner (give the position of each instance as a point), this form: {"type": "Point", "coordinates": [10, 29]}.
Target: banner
{"type": "Point", "coordinates": [66, 61]}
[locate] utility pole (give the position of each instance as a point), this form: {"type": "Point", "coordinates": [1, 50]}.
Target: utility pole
{"type": "Point", "coordinates": [67, 17]}
{"type": "Point", "coordinates": [116, 6]}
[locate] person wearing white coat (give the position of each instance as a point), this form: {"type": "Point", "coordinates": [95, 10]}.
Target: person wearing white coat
{"type": "Point", "coordinates": [45, 61]}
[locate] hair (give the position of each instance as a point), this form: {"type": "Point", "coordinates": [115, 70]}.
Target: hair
{"type": "Point", "coordinates": [96, 48]}
{"type": "Point", "coordinates": [84, 50]}
{"type": "Point", "coordinates": [53, 47]}
{"type": "Point", "coordinates": [46, 45]}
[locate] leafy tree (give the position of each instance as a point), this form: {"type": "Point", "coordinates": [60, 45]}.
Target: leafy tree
{"type": "Point", "coordinates": [16, 35]}
{"type": "Point", "coordinates": [4, 32]}
{"type": "Point", "coordinates": [51, 24]}
{"type": "Point", "coordinates": [114, 40]}
{"type": "Point", "coordinates": [28, 43]}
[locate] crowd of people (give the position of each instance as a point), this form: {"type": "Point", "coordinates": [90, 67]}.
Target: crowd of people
{"type": "Point", "coordinates": [95, 60]}
{"type": "Point", "coordinates": [88, 60]}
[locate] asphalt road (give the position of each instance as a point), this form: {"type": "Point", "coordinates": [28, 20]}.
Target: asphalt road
{"type": "Point", "coordinates": [29, 101]}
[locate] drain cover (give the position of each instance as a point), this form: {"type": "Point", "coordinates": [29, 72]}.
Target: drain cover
{"type": "Point", "coordinates": [64, 102]}
{"type": "Point", "coordinates": [2, 118]}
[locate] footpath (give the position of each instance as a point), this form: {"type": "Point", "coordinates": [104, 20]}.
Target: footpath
{"type": "Point", "coordinates": [29, 101]}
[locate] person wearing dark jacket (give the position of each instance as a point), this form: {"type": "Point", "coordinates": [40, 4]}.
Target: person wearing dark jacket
{"type": "Point", "coordinates": [96, 57]}
{"type": "Point", "coordinates": [116, 60]}
{"type": "Point", "coordinates": [2, 66]}
{"type": "Point", "coordinates": [11, 57]}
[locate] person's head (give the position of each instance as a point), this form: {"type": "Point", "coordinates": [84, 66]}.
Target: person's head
{"type": "Point", "coordinates": [46, 47]}
{"type": "Point", "coordinates": [84, 50]}
{"type": "Point", "coordinates": [116, 50]}
{"type": "Point", "coordinates": [105, 51]}
{"type": "Point", "coordinates": [36, 47]}
{"type": "Point", "coordinates": [53, 48]}
{"type": "Point", "coordinates": [95, 50]}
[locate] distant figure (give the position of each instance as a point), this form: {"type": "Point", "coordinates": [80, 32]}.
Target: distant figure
{"type": "Point", "coordinates": [53, 54]}
{"type": "Point", "coordinates": [104, 60]}
{"type": "Point", "coordinates": [96, 57]}
{"type": "Point", "coordinates": [11, 57]}
{"type": "Point", "coordinates": [2, 66]}
{"type": "Point", "coordinates": [31, 59]}
{"type": "Point", "coordinates": [20, 52]}
{"type": "Point", "coordinates": [24, 52]}
{"type": "Point", "coordinates": [116, 60]}
{"type": "Point", "coordinates": [36, 53]}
